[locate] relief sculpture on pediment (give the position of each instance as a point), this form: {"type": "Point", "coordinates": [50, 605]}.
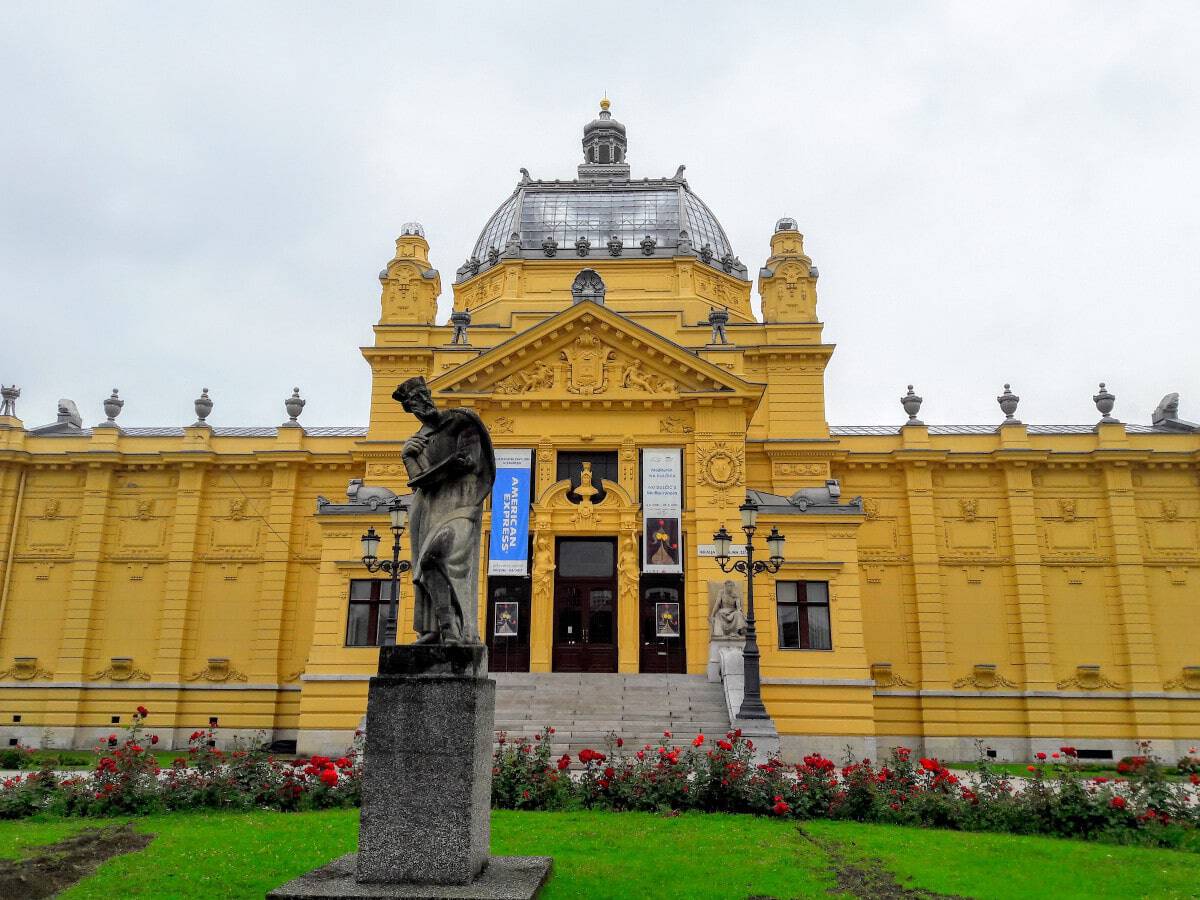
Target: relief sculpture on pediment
{"type": "Point", "coordinates": [588, 362]}
{"type": "Point", "coordinates": [538, 377]}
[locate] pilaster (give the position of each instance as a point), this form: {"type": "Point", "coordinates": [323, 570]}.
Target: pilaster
{"type": "Point", "coordinates": [181, 557]}
{"type": "Point", "coordinates": [1130, 577]}
{"type": "Point", "coordinates": [927, 578]}
{"type": "Point", "coordinates": [277, 551]}
{"type": "Point", "coordinates": [85, 573]}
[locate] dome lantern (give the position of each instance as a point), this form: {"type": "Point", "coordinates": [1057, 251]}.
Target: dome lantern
{"type": "Point", "coordinates": [604, 146]}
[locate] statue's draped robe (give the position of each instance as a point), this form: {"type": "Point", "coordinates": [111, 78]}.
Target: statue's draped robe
{"type": "Point", "coordinates": [451, 479]}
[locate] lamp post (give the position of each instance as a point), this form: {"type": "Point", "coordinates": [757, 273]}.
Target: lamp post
{"type": "Point", "coordinates": [752, 705]}
{"type": "Point", "coordinates": [394, 566]}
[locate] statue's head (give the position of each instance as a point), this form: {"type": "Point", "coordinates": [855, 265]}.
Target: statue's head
{"type": "Point", "coordinates": [414, 396]}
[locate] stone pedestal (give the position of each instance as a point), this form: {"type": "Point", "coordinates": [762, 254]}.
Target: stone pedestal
{"type": "Point", "coordinates": [716, 646]}
{"type": "Point", "coordinates": [424, 828]}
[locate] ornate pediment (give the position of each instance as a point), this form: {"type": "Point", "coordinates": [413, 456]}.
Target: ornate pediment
{"type": "Point", "coordinates": [589, 351]}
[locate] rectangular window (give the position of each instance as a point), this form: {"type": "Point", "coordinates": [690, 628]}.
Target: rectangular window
{"type": "Point", "coordinates": [367, 616]}
{"type": "Point", "coordinates": [802, 608]}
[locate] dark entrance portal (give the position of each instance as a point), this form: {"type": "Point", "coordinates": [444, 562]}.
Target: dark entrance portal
{"type": "Point", "coordinates": [661, 631]}
{"type": "Point", "coordinates": [508, 624]}
{"type": "Point", "coordinates": [585, 606]}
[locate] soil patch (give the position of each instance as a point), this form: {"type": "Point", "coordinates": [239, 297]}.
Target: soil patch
{"type": "Point", "coordinates": [867, 878]}
{"type": "Point", "coordinates": [56, 867]}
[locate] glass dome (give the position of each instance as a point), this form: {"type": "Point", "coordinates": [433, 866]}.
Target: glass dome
{"type": "Point", "coordinates": [565, 212]}
{"type": "Point", "coordinates": [603, 213]}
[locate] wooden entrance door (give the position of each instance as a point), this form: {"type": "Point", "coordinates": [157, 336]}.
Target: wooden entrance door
{"type": "Point", "coordinates": [585, 606]}
{"type": "Point", "coordinates": [661, 644]}
{"type": "Point", "coordinates": [508, 623]}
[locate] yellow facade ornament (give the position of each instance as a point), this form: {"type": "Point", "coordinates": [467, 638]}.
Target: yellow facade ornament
{"type": "Point", "coordinates": [585, 492]}
{"type": "Point", "coordinates": [1189, 680]}
{"type": "Point", "coordinates": [120, 668]}
{"type": "Point", "coordinates": [984, 677]}
{"type": "Point", "coordinates": [588, 361]}
{"type": "Point", "coordinates": [1088, 678]}
{"type": "Point", "coordinates": [217, 671]}
{"type": "Point", "coordinates": [25, 668]}
{"type": "Point", "coordinates": [720, 467]}
{"type": "Point", "coordinates": [884, 677]}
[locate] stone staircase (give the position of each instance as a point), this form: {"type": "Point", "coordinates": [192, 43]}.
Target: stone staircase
{"type": "Point", "coordinates": [584, 708]}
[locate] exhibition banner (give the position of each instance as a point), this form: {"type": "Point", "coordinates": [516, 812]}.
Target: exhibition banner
{"type": "Point", "coordinates": [662, 506]}
{"type": "Point", "coordinates": [508, 552]}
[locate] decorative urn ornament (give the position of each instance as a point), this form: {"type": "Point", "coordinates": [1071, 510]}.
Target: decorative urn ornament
{"type": "Point", "coordinates": [1008, 405]}
{"type": "Point", "coordinates": [203, 405]}
{"type": "Point", "coordinates": [912, 405]}
{"type": "Point", "coordinates": [1104, 403]}
{"type": "Point", "coordinates": [294, 405]}
{"type": "Point", "coordinates": [112, 409]}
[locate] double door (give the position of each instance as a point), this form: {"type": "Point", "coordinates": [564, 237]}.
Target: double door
{"type": "Point", "coordinates": [585, 606]}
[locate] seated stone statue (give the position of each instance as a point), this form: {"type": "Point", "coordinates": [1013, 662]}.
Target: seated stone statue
{"type": "Point", "coordinates": [725, 613]}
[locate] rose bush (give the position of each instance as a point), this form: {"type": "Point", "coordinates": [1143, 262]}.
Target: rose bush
{"type": "Point", "coordinates": [1059, 796]}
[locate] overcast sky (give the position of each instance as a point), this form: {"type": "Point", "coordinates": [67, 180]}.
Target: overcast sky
{"type": "Point", "coordinates": [202, 195]}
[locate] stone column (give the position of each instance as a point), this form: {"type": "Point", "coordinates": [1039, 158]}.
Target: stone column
{"type": "Point", "coordinates": [428, 766]}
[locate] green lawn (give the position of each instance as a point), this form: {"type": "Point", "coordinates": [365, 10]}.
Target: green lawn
{"type": "Point", "coordinates": [632, 855]}
{"type": "Point", "coordinates": [1090, 770]}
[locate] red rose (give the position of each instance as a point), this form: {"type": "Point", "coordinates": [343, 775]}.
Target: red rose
{"type": "Point", "coordinates": [698, 741]}
{"type": "Point", "coordinates": [620, 742]}
{"type": "Point", "coordinates": [143, 712]}
{"type": "Point", "coordinates": [1041, 755]}
{"type": "Point", "coordinates": [1031, 768]}
{"type": "Point", "coordinates": [154, 738]}
{"type": "Point", "coordinates": [641, 754]}
{"type": "Point", "coordinates": [666, 734]}
{"type": "Point", "coordinates": [329, 777]}
{"type": "Point", "coordinates": [725, 745]}
{"type": "Point", "coordinates": [780, 808]}
{"type": "Point", "coordinates": [1119, 803]}
{"type": "Point", "coordinates": [564, 761]}
{"type": "Point", "coordinates": [609, 772]}
{"type": "Point", "coordinates": [343, 763]}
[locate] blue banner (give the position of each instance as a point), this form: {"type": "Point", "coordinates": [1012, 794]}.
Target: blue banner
{"type": "Point", "coordinates": [509, 548]}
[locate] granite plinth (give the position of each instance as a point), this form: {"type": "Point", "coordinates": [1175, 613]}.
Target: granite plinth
{"type": "Point", "coordinates": [504, 878]}
{"type": "Point", "coordinates": [466, 660]}
{"type": "Point", "coordinates": [427, 776]}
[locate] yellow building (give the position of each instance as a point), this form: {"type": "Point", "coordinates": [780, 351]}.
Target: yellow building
{"type": "Point", "coordinates": [1024, 585]}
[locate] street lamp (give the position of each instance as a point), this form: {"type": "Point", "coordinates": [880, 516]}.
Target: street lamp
{"type": "Point", "coordinates": [752, 705]}
{"type": "Point", "coordinates": [394, 566]}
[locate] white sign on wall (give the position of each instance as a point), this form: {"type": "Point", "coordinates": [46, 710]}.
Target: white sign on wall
{"type": "Point", "coordinates": [662, 507]}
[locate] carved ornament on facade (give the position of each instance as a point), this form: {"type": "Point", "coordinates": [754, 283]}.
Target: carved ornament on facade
{"type": "Point", "coordinates": [871, 508]}
{"type": "Point", "coordinates": [120, 668]}
{"type": "Point", "coordinates": [217, 671]}
{"type": "Point", "coordinates": [1189, 680]}
{"type": "Point", "coordinates": [25, 668]}
{"type": "Point", "coordinates": [798, 468]}
{"type": "Point", "coordinates": [1087, 678]}
{"type": "Point", "coordinates": [674, 425]}
{"type": "Point", "coordinates": [538, 377]}
{"type": "Point", "coordinates": [984, 677]}
{"type": "Point", "coordinates": [635, 378]}
{"type": "Point", "coordinates": [884, 677]}
{"type": "Point", "coordinates": [292, 676]}
{"type": "Point", "coordinates": [502, 425]}
{"type": "Point", "coordinates": [588, 361]}
{"type": "Point", "coordinates": [721, 467]}
{"type": "Point", "coordinates": [969, 508]}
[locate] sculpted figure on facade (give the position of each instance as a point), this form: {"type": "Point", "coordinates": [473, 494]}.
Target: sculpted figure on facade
{"type": "Point", "coordinates": [451, 468]}
{"type": "Point", "coordinates": [538, 377]}
{"type": "Point", "coordinates": [725, 613]}
{"type": "Point", "coordinates": [638, 379]}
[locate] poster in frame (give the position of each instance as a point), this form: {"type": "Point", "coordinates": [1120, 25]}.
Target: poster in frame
{"type": "Point", "coordinates": [666, 620]}
{"type": "Point", "coordinates": [508, 619]}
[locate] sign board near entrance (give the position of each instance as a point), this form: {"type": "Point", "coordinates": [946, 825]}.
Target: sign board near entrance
{"type": "Point", "coordinates": [662, 503]}
{"type": "Point", "coordinates": [508, 550]}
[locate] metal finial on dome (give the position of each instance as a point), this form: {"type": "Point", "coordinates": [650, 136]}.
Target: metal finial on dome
{"type": "Point", "coordinates": [604, 144]}
{"type": "Point", "coordinates": [412, 228]}
{"type": "Point", "coordinates": [605, 103]}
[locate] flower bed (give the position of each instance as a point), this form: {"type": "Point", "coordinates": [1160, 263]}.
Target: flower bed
{"type": "Point", "coordinates": [1057, 797]}
{"type": "Point", "coordinates": [128, 779]}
